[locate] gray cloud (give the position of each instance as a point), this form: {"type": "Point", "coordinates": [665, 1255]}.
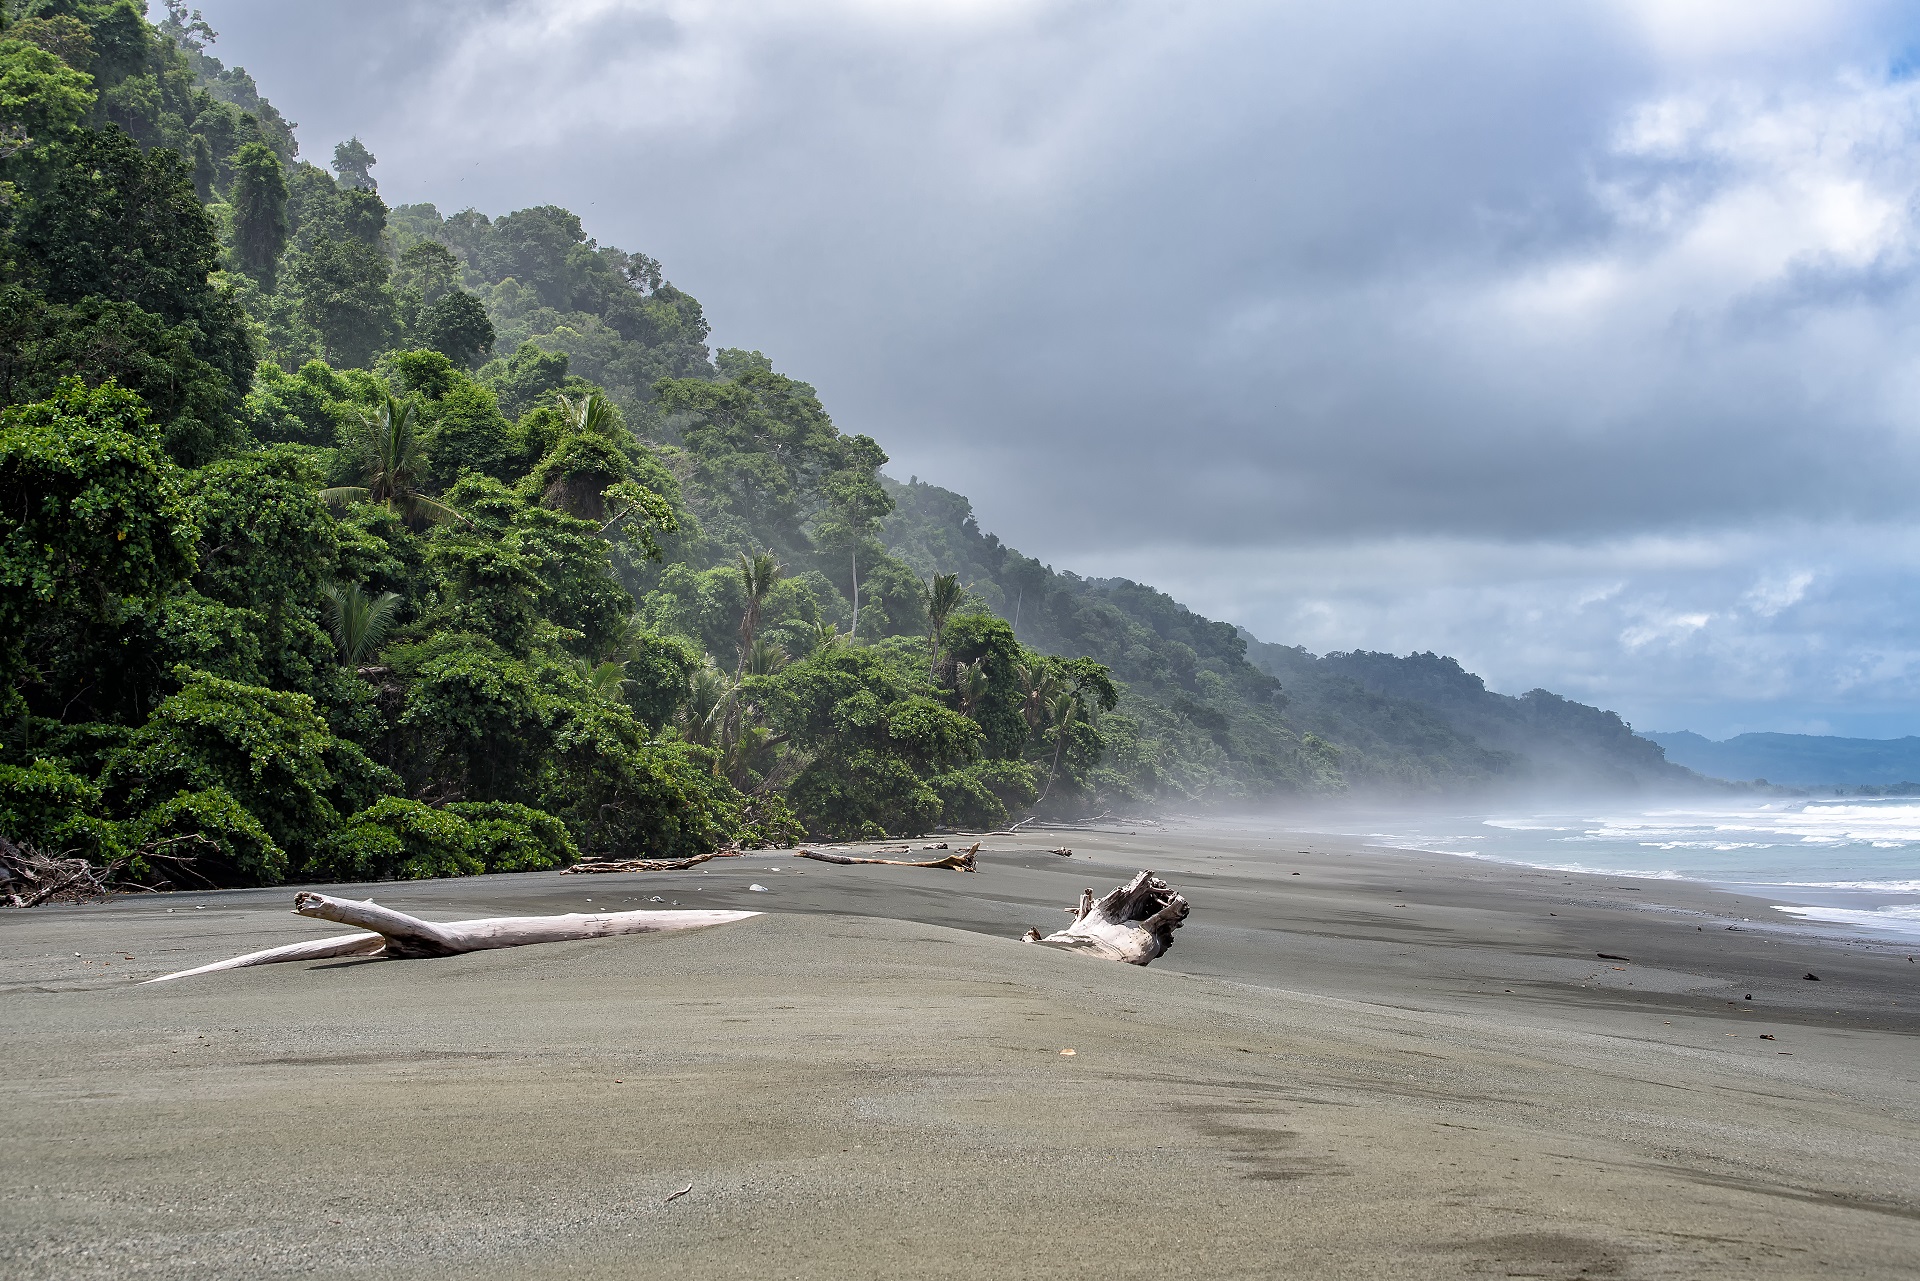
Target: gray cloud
{"type": "Point", "coordinates": [1179, 292]}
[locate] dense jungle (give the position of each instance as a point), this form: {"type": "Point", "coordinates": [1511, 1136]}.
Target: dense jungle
{"type": "Point", "coordinates": [347, 541]}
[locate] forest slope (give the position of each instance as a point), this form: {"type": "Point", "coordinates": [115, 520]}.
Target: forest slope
{"type": "Point", "coordinates": [341, 540]}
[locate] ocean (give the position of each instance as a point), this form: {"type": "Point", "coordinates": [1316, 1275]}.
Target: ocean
{"type": "Point", "coordinates": [1849, 862]}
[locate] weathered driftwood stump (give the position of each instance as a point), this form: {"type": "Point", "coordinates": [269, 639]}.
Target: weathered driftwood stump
{"type": "Point", "coordinates": [399, 936]}
{"type": "Point", "coordinates": [960, 862]}
{"type": "Point", "coordinates": [1134, 923]}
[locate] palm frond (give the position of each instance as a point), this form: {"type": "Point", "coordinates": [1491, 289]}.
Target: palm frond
{"type": "Point", "coordinates": [433, 511]}
{"type": "Point", "coordinates": [971, 683]}
{"type": "Point", "coordinates": [358, 622]}
{"type": "Point", "coordinates": [823, 637]}
{"type": "Point", "coordinates": [591, 413]}
{"type": "Point", "coordinates": [765, 658]}
{"type": "Point", "coordinates": [605, 680]}
{"type": "Point", "coordinates": [941, 596]}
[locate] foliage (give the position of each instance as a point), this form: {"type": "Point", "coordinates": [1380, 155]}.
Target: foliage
{"type": "Point", "coordinates": [259, 201]}
{"type": "Point", "coordinates": [516, 838]}
{"type": "Point", "coordinates": [393, 464]}
{"type": "Point", "coordinates": [50, 807]}
{"type": "Point", "coordinates": [399, 839]}
{"type": "Point", "coordinates": [40, 91]}
{"type": "Point", "coordinates": [92, 511]}
{"type": "Point", "coordinates": [359, 622]}
{"type": "Point", "coordinates": [876, 739]}
{"type": "Point", "coordinates": [269, 750]}
{"type": "Point", "coordinates": [115, 251]}
{"type": "Point", "coordinates": [225, 843]}
{"type": "Point", "coordinates": [457, 326]}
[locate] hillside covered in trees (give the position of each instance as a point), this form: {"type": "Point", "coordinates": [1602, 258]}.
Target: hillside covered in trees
{"type": "Point", "coordinates": [344, 541]}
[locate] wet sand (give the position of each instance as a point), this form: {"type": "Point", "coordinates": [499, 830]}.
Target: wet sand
{"type": "Point", "coordinates": [1388, 1065]}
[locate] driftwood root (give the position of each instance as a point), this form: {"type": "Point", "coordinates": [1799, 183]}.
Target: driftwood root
{"type": "Point", "coordinates": [1134, 923]}
{"type": "Point", "coordinates": [960, 862]}
{"type": "Point", "coordinates": [395, 935]}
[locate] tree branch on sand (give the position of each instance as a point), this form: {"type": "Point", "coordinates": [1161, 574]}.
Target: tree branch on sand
{"type": "Point", "coordinates": [960, 862]}
{"type": "Point", "coordinates": [1134, 923]}
{"type": "Point", "coordinates": [399, 936]}
{"type": "Point", "coordinates": [588, 866]}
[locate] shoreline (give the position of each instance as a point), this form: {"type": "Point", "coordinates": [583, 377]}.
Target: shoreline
{"type": "Point", "coordinates": [1854, 905]}
{"type": "Point", "coordinates": [1354, 1062]}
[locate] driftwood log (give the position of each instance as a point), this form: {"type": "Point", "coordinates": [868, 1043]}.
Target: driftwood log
{"type": "Point", "coordinates": [399, 936]}
{"type": "Point", "coordinates": [590, 865]}
{"type": "Point", "coordinates": [1134, 923]}
{"type": "Point", "coordinates": [960, 862]}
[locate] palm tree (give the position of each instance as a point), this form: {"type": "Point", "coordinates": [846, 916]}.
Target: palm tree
{"type": "Point", "coordinates": [703, 716]}
{"type": "Point", "coordinates": [592, 413]}
{"type": "Point", "coordinates": [395, 466]}
{"type": "Point", "coordinates": [765, 658]}
{"type": "Point", "coordinates": [1062, 709]}
{"type": "Point", "coordinates": [1037, 690]}
{"type": "Point", "coordinates": [823, 637]}
{"type": "Point", "coordinates": [758, 574]}
{"type": "Point", "coordinates": [358, 622]}
{"type": "Point", "coordinates": [970, 682]}
{"type": "Point", "coordinates": [941, 596]}
{"type": "Point", "coordinates": [715, 716]}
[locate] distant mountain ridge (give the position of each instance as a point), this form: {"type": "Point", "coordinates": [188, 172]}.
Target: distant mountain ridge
{"type": "Point", "coordinates": [1796, 760]}
{"type": "Point", "coordinates": [1425, 723]}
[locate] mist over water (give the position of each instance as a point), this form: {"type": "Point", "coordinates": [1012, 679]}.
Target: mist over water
{"type": "Point", "coordinates": [1852, 861]}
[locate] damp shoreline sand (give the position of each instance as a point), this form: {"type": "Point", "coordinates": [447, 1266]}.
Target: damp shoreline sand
{"type": "Point", "coordinates": [1390, 1064]}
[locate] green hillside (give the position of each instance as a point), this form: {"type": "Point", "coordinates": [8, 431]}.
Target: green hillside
{"type": "Point", "coordinates": [1422, 723]}
{"type": "Point", "coordinates": [340, 540]}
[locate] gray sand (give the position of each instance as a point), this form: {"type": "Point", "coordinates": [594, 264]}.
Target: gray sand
{"type": "Point", "coordinates": [1390, 1065]}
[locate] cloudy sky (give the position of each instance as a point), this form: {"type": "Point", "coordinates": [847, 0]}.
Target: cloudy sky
{"type": "Point", "coordinates": [1581, 341]}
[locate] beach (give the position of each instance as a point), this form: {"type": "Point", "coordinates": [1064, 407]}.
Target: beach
{"type": "Point", "coordinates": [1354, 1062]}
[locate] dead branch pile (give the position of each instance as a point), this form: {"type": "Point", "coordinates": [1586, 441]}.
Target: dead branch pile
{"type": "Point", "coordinates": [960, 862]}
{"type": "Point", "coordinates": [30, 878]}
{"type": "Point", "coordinates": [401, 937]}
{"type": "Point", "coordinates": [1134, 923]}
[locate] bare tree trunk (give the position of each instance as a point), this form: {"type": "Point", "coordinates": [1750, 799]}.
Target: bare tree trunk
{"type": "Point", "coordinates": [960, 862]}
{"type": "Point", "coordinates": [399, 936]}
{"type": "Point", "coordinates": [1059, 746]}
{"type": "Point", "coordinates": [1134, 923]}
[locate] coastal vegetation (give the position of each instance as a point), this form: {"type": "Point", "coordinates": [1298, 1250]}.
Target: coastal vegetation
{"type": "Point", "coordinates": [347, 541]}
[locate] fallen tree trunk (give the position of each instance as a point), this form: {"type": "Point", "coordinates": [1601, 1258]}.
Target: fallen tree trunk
{"type": "Point", "coordinates": [590, 865]}
{"type": "Point", "coordinates": [960, 862]}
{"type": "Point", "coordinates": [1134, 923]}
{"type": "Point", "coordinates": [399, 936]}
